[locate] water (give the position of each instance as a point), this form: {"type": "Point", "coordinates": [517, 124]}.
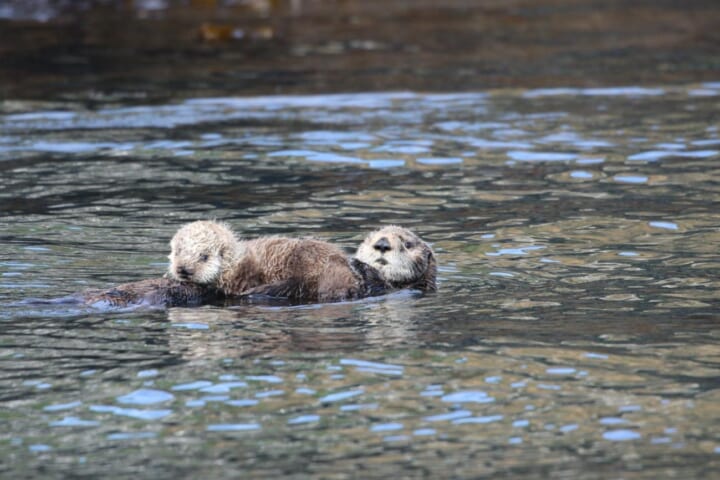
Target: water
{"type": "Point", "coordinates": [574, 334]}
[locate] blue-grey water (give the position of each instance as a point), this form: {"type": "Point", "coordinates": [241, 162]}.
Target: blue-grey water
{"type": "Point", "coordinates": [574, 335]}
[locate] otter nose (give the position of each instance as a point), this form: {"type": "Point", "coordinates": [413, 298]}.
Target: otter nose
{"type": "Point", "coordinates": [184, 272]}
{"type": "Point", "coordinates": [382, 245]}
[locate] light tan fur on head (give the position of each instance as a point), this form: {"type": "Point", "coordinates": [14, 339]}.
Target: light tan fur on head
{"type": "Point", "coordinates": [402, 258]}
{"type": "Point", "coordinates": [200, 252]}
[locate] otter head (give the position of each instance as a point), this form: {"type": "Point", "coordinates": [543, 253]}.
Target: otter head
{"type": "Point", "coordinates": [401, 257]}
{"type": "Point", "coordinates": [201, 251]}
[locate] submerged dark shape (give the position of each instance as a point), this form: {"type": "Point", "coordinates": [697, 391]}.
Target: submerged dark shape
{"type": "Point", "coordinates": [154, 292]}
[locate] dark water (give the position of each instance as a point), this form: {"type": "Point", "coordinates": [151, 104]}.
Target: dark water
{"type": "Point", "coordinates": [155, 51]}
{"type": "Point", "coordinates": [575, 333]}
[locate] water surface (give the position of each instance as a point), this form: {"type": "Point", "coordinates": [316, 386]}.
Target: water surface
{"type": "Point", "coordinates": [574, 334]}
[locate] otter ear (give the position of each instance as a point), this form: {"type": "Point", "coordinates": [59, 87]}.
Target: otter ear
{"type": "Point", "coordinates": [222, 252]}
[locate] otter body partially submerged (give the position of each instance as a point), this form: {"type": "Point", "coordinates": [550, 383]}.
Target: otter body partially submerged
{"type": "Point", "coordinates": [153, 293]}
{"type": "Point", "coordinates": [305, 270]}
{"type": "Point", "coordinates": [157, 292]}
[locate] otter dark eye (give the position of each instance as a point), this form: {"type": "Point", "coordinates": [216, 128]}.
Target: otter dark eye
{"type": "Point", "coordinates": [203, 258]}
{"type": "Point", "coordinates": [409, 244]}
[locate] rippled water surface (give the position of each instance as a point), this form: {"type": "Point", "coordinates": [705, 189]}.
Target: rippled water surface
{"type": "Point", "coordinates": [575, 333]}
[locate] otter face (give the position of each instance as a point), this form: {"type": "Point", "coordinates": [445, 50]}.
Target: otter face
{"type": "Point", "coordinates": [401, 257]}
{"type": "Point", "coordinates": [198, 252]}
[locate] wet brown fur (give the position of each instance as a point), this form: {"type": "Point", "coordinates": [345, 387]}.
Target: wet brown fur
{"type": "Point", "coordinates": [299, 269]}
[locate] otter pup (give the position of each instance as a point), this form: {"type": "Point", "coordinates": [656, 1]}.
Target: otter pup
{"type": "Point", "coordinates": [401, 257]}
{"type": "Point", "coordinates": [306, 270]}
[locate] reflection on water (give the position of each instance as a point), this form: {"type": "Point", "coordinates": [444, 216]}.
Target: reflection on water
{"type": "Point", "coordinates": [575, 331]}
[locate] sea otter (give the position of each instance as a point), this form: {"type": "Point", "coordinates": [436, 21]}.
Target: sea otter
{"type": "Point", "coordinates": [401, 257]}
{"type": "Point", "coordinates": [300, 269]}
